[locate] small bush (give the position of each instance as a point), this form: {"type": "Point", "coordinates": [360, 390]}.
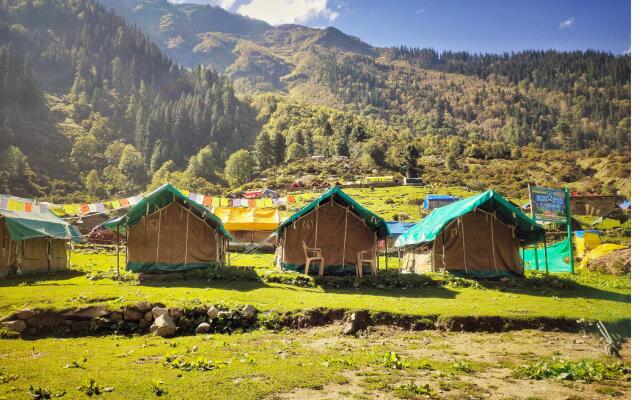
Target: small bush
{"type": "Point", "coordinates": [584, 370]}
{"type": "Point", "coordinates": [392, 360]}
{"type": "Point", "coordinates": [413, 391]}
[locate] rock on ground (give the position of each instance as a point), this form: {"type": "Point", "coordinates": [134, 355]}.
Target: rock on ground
{"type": "Point", "coordinates": [357, 321]}
{"type": "Point", "coordinates": [17, 326]}
{"type": "Point", "coordinates": [213, 312]}
{"type": "Point", "coordinates": [249, 311]}
{"type": "Point", "coordinates": [203, 328]}
{"type": "Point", "coordinates": [163, 326]}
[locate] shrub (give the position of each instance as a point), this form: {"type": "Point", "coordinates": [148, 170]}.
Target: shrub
{"type": "Point", "coordinates": [584, 370]}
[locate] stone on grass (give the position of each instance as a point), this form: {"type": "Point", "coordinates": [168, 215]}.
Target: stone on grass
{"type": "Point", "coordinates": [17, 326]}
{"type": "Point", "coordinates": [25, 314]}
{"type": "Point", "coordinates": [249, 311]}
{"type": "Point", "coordinates": [132, 315]}
{"type": "Point", "coordinates": [143, 306]}
{"type": "Point", "coordinates": [149, 316]}
{"type": "Point", "coordinates": [144, 324]}
{"type": "Point", "coordinates": [203, 328]}
{"type": "Point", "coordinates": [116, 316]}
{"type": "Point", "coordinates": [158, 311]}
{"type": "Point", "coordinates": [213, 312]}
{"type": "Point", "coordinates": [86, 312]}
{"type": "Point", "coordinates": [176, 312]}
{"type": "Point", "coordinates": [163, 326]}
{"type": "Point", "coordinates": [48, 320]}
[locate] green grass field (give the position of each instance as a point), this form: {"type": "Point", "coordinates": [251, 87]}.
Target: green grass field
{"type": "Point", "coordinates": [316, 364]}
{"type": "Point", "coordinates": [594, 296]}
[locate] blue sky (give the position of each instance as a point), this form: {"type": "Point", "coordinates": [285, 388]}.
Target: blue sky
{"type": "Point", "coordinates": [473, 25]}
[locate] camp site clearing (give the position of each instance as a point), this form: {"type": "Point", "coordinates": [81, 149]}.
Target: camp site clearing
{"type": "Point", "coordinates": [281, 334]}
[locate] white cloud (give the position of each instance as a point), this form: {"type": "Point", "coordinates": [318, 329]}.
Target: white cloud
{"type": "Point", "coordinates": [226, 4]}
{"type": "Point", "coordinates": [567, 23]}
{"type": "Point", "coordinates": [420, 11]}
{"type": "Point", "coordinates": [278, 12]}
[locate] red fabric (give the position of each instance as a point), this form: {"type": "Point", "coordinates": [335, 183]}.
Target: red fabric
{"type": "Point", "coordinates": [207, 201]}
{"type": "Point", "coordinates": [291, 199]}
{"type": "Point", "coordinates": [84, 208]}
{"type": "Point", "coordinates": [124, 202]}
{"type": "Point", "coordinates": [252, 203]}
{"type": "Point", "coordinates": [28, 207]}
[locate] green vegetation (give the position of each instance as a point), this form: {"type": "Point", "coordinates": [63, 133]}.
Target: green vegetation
{"type": "Point", "coordinates": [584, 296]}
{"type": "Point", "coordinates": [584, 370]}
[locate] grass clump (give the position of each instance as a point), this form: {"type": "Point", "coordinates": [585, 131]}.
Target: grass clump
{"type": "Point", "coordinates": [38, 393]}
{"type": "Point", "coordinates": [392, 360]}
{"type": "Point", "coordinates": [90, 387]}
{"type": "Point", "coordinates": [583, 370]}
{"type": "Point", "coordinates": [200, 364]}
{"type": "Point", "coordinates": [413, 391]}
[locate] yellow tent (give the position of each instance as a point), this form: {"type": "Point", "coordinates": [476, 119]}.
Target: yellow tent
{"type": "Point", "coordinates": [249, 219]}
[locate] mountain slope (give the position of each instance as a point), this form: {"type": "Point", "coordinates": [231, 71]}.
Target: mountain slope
{"type": "Point", "coordinates": [82, 91]}
{"type": "Point", "coordinates": [520, 98]}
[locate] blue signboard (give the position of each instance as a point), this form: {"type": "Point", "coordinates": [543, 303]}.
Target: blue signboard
{"type": "Point", "coordinates": [548, 204]}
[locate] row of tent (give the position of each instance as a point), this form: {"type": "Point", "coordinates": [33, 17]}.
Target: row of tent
{"type": "Point", "coordinates": [167, 231]}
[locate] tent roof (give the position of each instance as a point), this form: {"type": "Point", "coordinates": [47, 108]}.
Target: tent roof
{"type": "Point", "coordinates": [441, 197]}
{"type": "Point", "coordinates": [372, 220]}
{"type": "Point", "coordinates": [490, 201]}
{"type": "Point", "coordinates": [159, 198]}
{"type": "Point", "coordinates": [398, 228]}
{"type": "Point", "coordinates": [31, 225]}
{"type": "Point", "coordinates": [248, 219]}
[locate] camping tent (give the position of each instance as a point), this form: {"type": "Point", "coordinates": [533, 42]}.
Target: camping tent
{"type": "Point", "coordinates": [336, 224]}
{"type": "Point", "coordinates": [167, 231]}
{"type": "Point", "coordinates": [34, 241]}
{"type": "Point", "coordinates": [477, 236]}
{"type": "Point", "coordinates": [250, 225]}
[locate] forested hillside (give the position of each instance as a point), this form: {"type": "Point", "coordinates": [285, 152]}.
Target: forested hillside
{"type": "Point", "coordinates": [92, 107]}
{"type": "Point", "coordinates": [85, 97]}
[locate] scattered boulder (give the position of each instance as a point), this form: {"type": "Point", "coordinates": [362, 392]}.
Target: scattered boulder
{"type": "Point", "coordinates": [225, 314]}
{"type": "Point", "coordinates": [213, 312]}
{"type": "Point", "coordinates": [25, 314]}
{"type": "Point", "coordinates": [45, 320]}
{"type": "Point", "coordinates": [132, 315]}
{"type": "Point", "coordinates": [158, 311]}
{"type": "Point", "coordinates": [163, 326]}
{"type": "Point", "coordinates": [149, 316]}
{"type": "Point", "coordinates": [17, 326]}
{"type": "Point", "coordinates": [249, 311]}
{"type": "Point", "coordinates": [86, 313]}
{"type": "Point", "coordinates": [357, 321]}
{"type": "Point", "coordinates": [144, 324]}
{"type": "Point", "coordinates": [203, 328]}
{"type": "Point", "coordinates": [176, 312]}
{"type": "Point", "coordinates": [116, 316]}
{"type": "Point", "coordinates": [143, 307]}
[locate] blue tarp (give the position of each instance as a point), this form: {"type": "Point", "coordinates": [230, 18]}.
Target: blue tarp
{"type": "Point", "coordinates": [625, 205]}
{"type": "Point", "coordinates": [398, 228]}
{"type": "Point", "coordinates": [438, 200]}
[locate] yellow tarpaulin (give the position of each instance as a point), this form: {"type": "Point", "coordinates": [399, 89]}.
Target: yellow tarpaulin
{"type": "Point", "coordinates": [249, 219]}
{"type": "Point", "coordinates": [600, 251]}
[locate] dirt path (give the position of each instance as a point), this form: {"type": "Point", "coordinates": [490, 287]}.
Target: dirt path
{"type": "Point", "coordinates": [459, 365]}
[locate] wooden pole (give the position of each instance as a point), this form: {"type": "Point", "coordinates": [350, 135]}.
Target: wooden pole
{"type": "Point", "coordinates": [567, 201]}
{"type": "Point", "coordinates": [118, 250]}
{"type": "Point", "coordinates": [546, 261]}
{"type": "Point", "coordinates": [386, 259]}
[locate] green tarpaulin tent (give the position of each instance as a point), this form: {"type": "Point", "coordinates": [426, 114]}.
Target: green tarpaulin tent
{"type": "Point", "coordinates": [490, 201]}
{"type": "Point", "coordinates": [337, 225]}
{"type": "Point", "coordinates": [167, 231]}
{"type": "Point", "coordinates": [31, 225]}
{"type": "Point", "coordinates": [477, 236]}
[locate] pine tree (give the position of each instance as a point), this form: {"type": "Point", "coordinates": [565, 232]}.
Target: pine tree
{"type": "Point", "coordinates": [264, 150]}
{"type": "Point", "coordinates": [279, 148]}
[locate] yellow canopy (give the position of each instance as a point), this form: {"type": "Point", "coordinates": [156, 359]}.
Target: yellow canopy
{"type": "Point", "coordinates": [249, 219]}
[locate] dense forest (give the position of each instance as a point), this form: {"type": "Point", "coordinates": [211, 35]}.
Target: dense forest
{"type": "Point", "coordinates": [90, 107]}
{"type": "Point", "coordinates": [81, 91]}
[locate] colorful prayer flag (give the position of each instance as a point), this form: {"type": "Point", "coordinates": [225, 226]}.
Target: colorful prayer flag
{"type": "Point", "coordinates": [291, 199]}
{"type": "Point", "coordinates": [123, 202]}
{"type": "Point", "coordinates": [28, 207]}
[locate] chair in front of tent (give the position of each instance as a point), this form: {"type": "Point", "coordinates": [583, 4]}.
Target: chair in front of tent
{"type": "Point", "coordinates": [313, 254]}
{"type": "Point", "coordinates": [367, 257]}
